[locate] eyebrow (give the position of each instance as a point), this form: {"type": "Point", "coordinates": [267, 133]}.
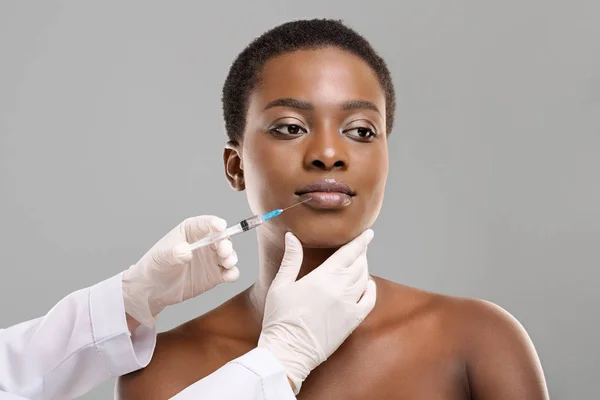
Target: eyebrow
{"type": "Point", "coordinates": [307, 106]}
{"type": "Point", "coordinates": [290, 103]}
{"type": "Point", "coordinates": [360, 105]}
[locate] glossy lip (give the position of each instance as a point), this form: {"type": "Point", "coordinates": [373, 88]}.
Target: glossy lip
{"type": "Point", "coordinates": [326, 186]}
{"type": "Point", "coordinates": [327, 200]}
{"type": "Point", "coordinates": [327, 194]}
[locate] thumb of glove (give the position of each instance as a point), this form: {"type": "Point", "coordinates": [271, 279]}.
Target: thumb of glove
{"type": "Point", "coordinates": [182, 253]}
{"type": "Point", "coordinates": [171, 256]}
{"type": "Point", "coordinates": [291, 263]}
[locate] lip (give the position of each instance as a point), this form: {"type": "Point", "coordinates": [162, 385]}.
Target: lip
{"type": "Point", "coordinates": [327, 186]}
{"type": "Point", "coordinates": [327, 194]}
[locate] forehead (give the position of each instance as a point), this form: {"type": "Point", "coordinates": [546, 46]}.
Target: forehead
{"type": "Point", "coordinates": [322, 76]}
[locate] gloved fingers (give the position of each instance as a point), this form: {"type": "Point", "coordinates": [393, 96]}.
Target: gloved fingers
{"type": "Point", "coordinates": [358, 286]}
{"type": "Point", "coordinates": [347, 254]}
{"type": "Point", "coordinates": [224, 248]}
{"type": "Point", "coordinates": [230, 261]}
{"type": "Point", "coordinates": [292, 261]}
{"type": "Point", "coordinates": [230, 275]}
{"type": "Point", "coordinates": [363, 282]}
{"type": "Point", "coordinates": [198, 227]}
{"type": "Point", "coordinates": [183, 253]}
{"type": "Point", "coordinates": [165, 257]}
{"type": "Point", "coordinates": [216, 225]}
{"type": "Point", "coordinates": [358, 268]}
{"type": "Point", "coordinates": [367, 302]}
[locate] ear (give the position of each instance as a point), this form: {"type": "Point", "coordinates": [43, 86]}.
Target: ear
{"type": "Point", "coordinates": [234, 167]}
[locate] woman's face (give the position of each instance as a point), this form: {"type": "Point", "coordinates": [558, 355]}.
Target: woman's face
{"type": "Point", "coordinates": [316, 131]}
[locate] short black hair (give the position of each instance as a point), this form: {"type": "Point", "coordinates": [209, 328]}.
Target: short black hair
{"type": "Point", "coordinates": [285, 38]}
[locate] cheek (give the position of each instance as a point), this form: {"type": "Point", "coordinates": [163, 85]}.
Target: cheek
{"type": "Point", "coordinates": [373, 190]}
{"type": "Point", "coordinates": [268, 175]}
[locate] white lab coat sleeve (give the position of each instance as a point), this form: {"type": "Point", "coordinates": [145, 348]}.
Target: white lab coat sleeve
{"type": "Point", "coordinates": [8, 396]}
{"type": "Point", "coordinates": [257, 375]}
{"type": "Point", "coordinates": [80, 343]}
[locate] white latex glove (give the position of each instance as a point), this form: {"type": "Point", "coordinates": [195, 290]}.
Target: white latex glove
{"type": "Point", "coordinates": [305, 321]}
{"type": "Point", "coordinates": [170, 273]}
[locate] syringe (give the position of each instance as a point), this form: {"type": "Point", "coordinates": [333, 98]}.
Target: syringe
{"type": "Point", "coordinates": [243, 226]}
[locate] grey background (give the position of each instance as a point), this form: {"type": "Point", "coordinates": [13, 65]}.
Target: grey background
{"type": "Point", "coordinates": [111, 134]}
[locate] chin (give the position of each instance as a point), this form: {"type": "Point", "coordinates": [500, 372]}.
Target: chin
{"type": "Point", "coordinates": [324, 231]}
{"type": "Point", "coordinates": [319, 236]}
{"type": "Point", "coordinates": [313, 243]}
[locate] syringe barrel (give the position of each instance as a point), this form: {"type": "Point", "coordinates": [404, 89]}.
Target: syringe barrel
{"type": "Point", "coordinates": [215, 237]}
{"type": "Point", "coordinates": [251, 223]}
{"type": "Point", "coordinates": [243, 226]}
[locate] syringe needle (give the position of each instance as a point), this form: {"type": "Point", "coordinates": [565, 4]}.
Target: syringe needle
{"type": "Point", "coordinates": [294, 205]}
{"type": "Point", "coordinates": [243, 226]}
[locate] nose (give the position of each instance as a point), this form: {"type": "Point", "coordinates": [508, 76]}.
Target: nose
{"type": "Point", "coordinates": [326, 151]}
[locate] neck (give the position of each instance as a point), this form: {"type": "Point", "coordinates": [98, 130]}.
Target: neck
{"type": "Point", "coordinates": [271, 249]}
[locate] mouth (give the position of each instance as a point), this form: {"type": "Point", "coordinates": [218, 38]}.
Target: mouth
{"type": "Point", "coordinates": [327, 194]}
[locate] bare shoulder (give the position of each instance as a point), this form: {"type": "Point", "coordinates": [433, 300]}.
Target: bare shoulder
{"type": "Point", "coordinates": [497, 357]}
{"type": "Point", "coordinates": [402, 305]}
{"type": "Point", "coordinates": [484, 326]}
{"type": "Point", "coordinates": [165, 374]}
{"type": "Point", "coordinates": [482, 317]}
{"type": "Point", "coordinates": [501, 359]}
{"type": "Point", "coordinates": [182, 356]}
{"type": "Point", "coordinates": [407, 313]}
{"type": "Point", "coordinates": [141, 384]}
{"type": "Point", "coordinates": [467, 320]}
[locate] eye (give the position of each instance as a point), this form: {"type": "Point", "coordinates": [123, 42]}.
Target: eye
{"type": "Point", "coordinates": [288, 129]}
{"type": "Point", "coordinates": [361, 133]}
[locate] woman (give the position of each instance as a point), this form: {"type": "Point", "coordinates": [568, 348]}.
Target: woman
{"type": "Point", "coordinates": [308, 107]}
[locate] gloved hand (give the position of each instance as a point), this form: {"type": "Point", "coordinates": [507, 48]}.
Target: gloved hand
{"type": "Point", "coordinates": [305, 321]}
{"type": "Point", "coordinates": [170, 273]}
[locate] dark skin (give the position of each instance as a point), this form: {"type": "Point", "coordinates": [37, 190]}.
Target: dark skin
{"type": "Point", "coordinates": [414, 344]}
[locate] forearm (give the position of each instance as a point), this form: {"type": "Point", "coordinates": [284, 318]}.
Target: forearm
{"type": "Point", "coordinates": [87, 332]}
